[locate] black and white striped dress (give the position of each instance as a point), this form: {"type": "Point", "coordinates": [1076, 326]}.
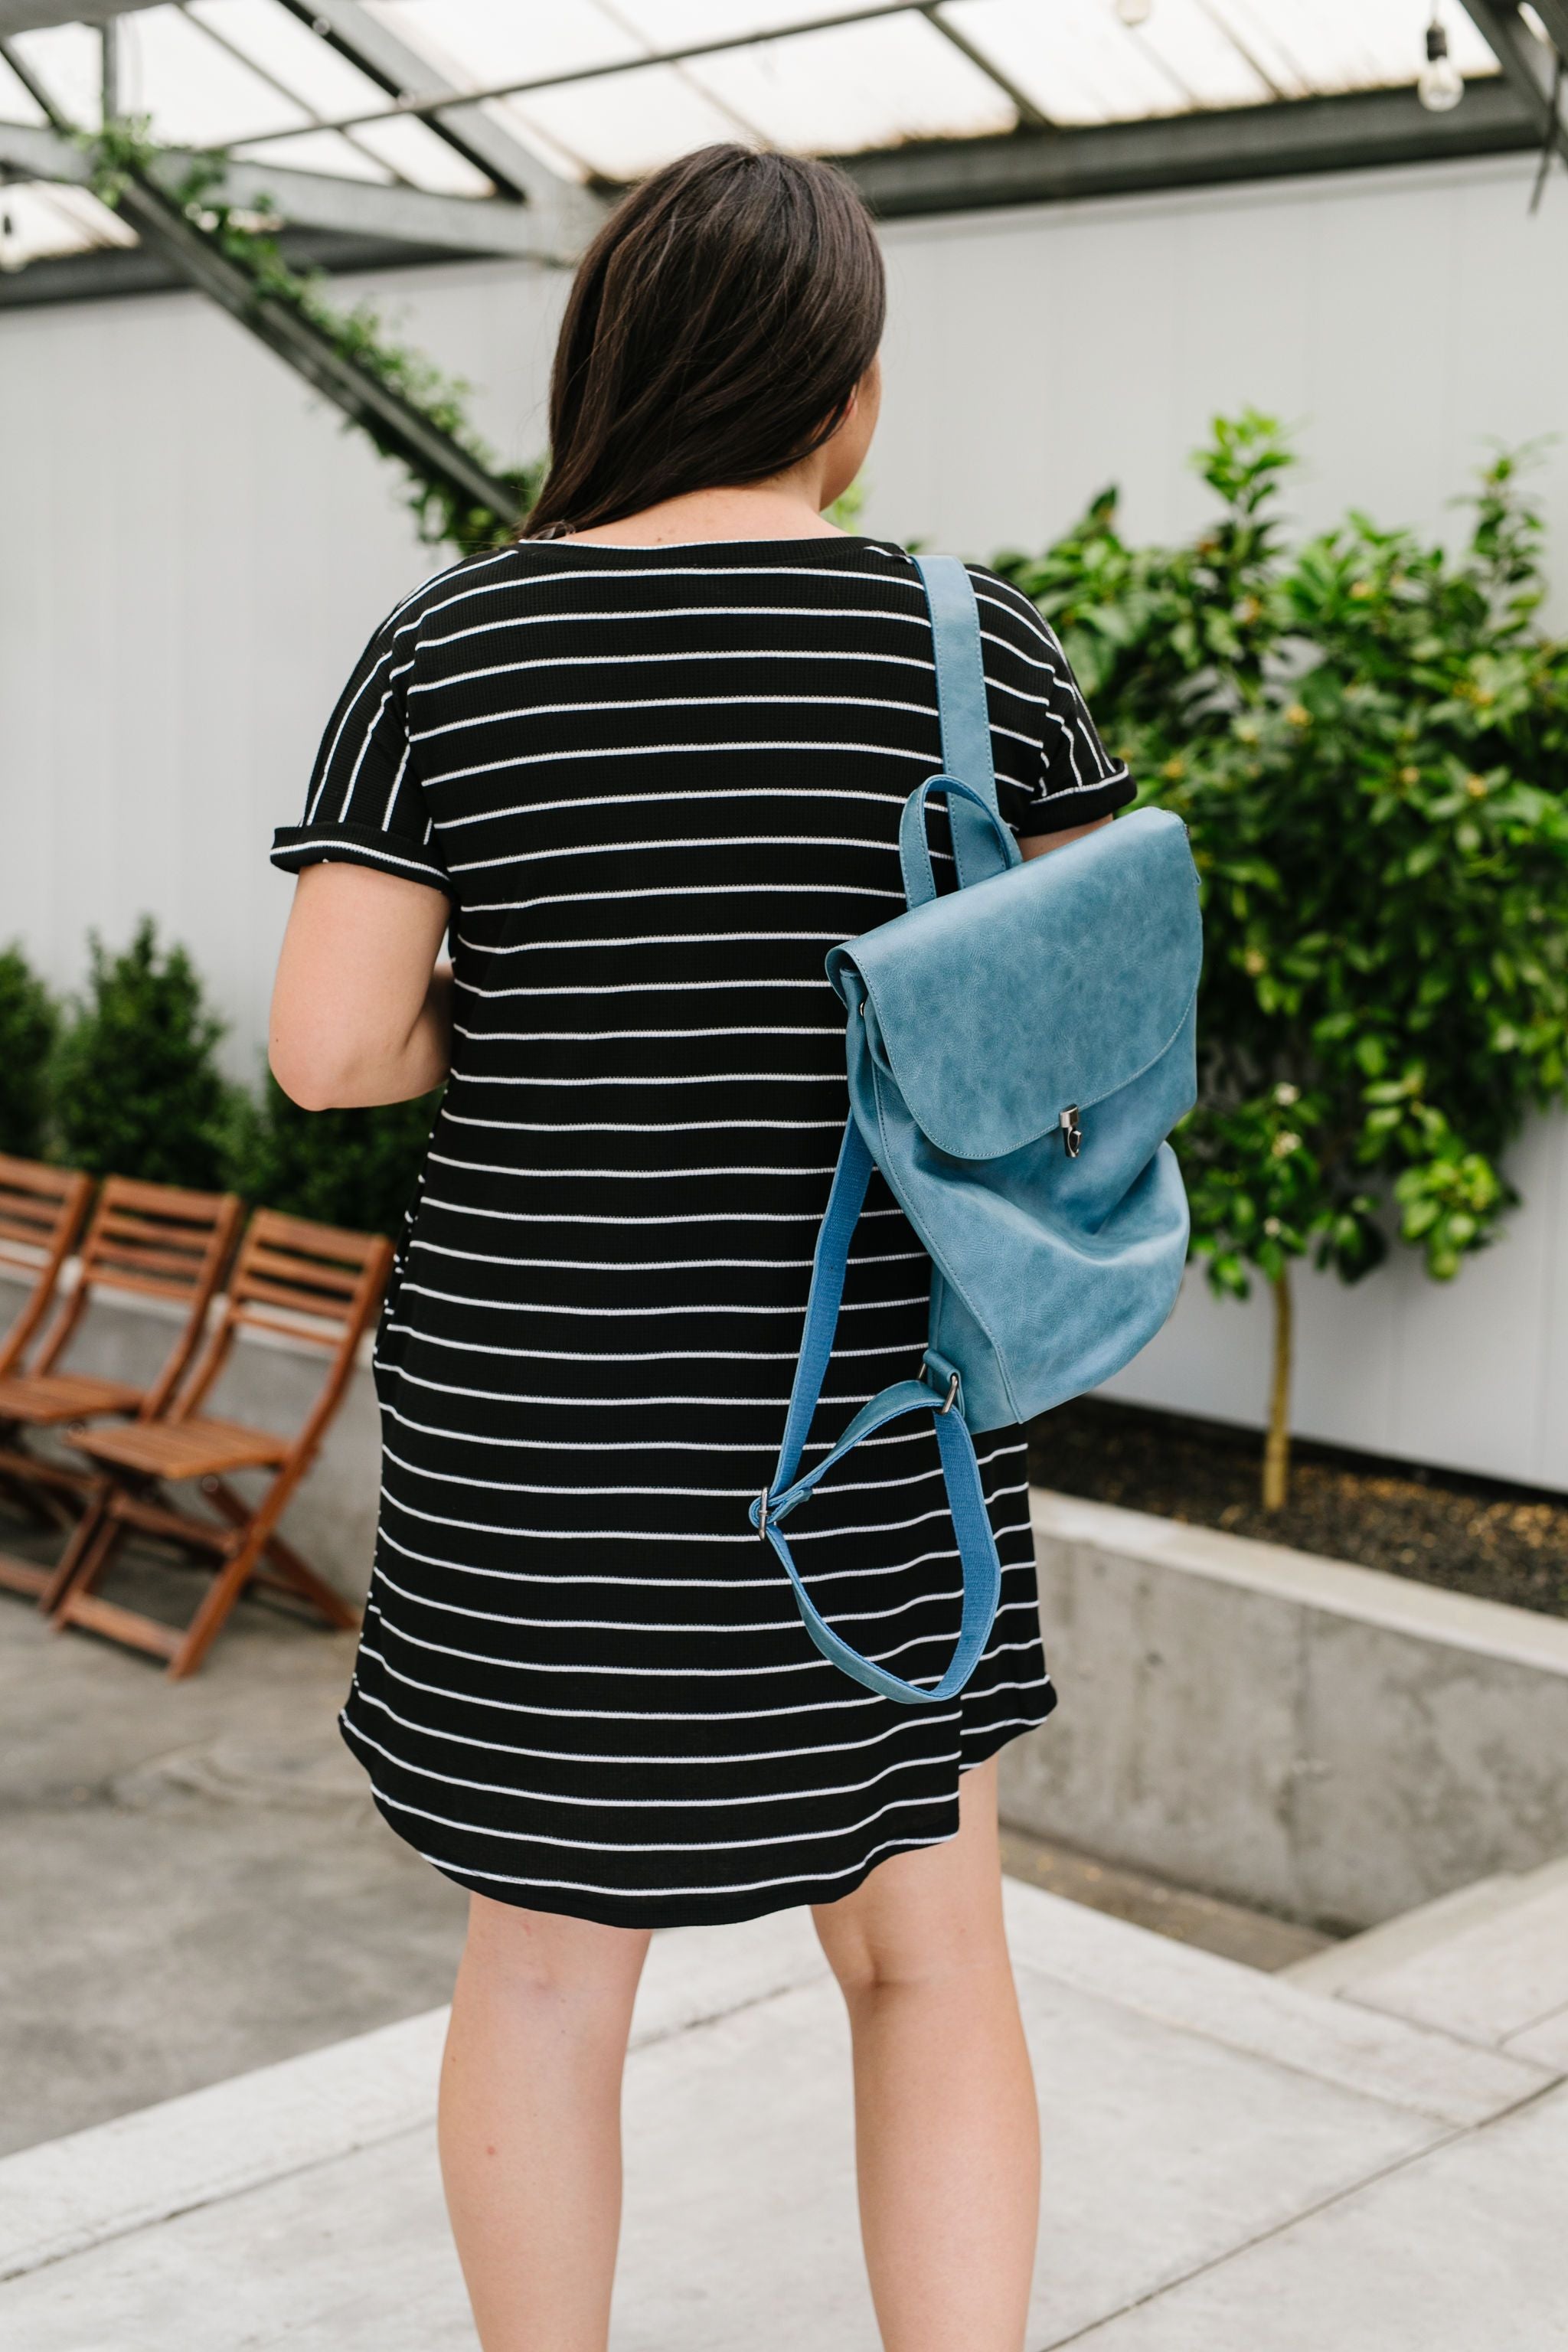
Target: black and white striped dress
{"type": "Point", "coordinates": [658, 786]}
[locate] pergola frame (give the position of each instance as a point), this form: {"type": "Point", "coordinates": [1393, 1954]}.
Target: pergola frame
{"type": "Point", "coordinates": [537, 213]}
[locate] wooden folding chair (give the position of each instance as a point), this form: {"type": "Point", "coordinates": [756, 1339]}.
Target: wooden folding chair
{"type": "Point", "coordinates": [153, 1241]}
{"type": "Point", "coordinates": [310, 1283]}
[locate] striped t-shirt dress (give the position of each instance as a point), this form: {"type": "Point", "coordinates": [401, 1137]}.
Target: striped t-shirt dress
{"type": "Point", "coordinates": [656, 785]}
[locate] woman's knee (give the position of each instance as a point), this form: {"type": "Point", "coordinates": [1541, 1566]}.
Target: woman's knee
{"type": "Point", "coordinates": [521, 1954]}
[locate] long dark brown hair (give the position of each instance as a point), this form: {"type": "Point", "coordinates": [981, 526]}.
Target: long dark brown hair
{"type": "Point", "coordinates": [716, 328]}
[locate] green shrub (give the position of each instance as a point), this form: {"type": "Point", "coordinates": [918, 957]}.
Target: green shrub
{"type": "Point", "coordinates": [137, 1087]}
{"type": "Point", "coordinates": [29, 1024]}
{"type": "Point", "coordinates": [1367, 737]}
{"type": "Point", "coordinates": [350, 1168]}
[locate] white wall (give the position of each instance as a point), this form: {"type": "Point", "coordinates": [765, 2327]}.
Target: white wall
{"type": "Point", "coordinates": [192, 552]}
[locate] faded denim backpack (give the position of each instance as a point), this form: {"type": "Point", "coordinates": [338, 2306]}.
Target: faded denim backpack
{"type": "Point", "coordinates": [1018, 1048]}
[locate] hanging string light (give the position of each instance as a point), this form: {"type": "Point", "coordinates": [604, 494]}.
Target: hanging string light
{"type": "Point", "coordinates": [1439, 85]}
{"type": "Point", "coordinates": [1134, 12]}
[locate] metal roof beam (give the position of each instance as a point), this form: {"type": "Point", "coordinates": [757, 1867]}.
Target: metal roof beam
{"type": "Point", "coordinates": [1357, 131]}
{"type": "Point", "coordinates": [568, 214]}
{"type": "Point", "coordinates": [1528, 64]}
{"type": "Point", "coordinates": [578, 76]}
{"type": "Point", "coordinates": [1017, 96]}
{"type": "Point", "coordinates": [399, 429]}
{"type": "Point", "coordinates": [1553, 14]}
{"type": "Point", "coordinates": [316, 200]}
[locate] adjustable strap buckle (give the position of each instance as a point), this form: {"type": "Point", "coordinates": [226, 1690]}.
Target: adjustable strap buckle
{"type": "Point", "coordinates": [758, 1513]}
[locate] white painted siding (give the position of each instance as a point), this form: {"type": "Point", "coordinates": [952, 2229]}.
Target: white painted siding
{"type": "Point", "coordinates": [192, 552]}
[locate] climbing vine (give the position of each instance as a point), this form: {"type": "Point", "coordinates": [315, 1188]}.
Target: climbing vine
{"type": "Point", "coordinates": [123, 151]}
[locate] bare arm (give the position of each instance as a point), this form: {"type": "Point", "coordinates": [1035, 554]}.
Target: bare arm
{"type": "Point", "coordinates": [360, 1009]}
{"type": "Point", "coordinates": [1039, 843]}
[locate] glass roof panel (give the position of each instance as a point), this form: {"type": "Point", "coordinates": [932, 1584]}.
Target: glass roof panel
{"type": "Point", "coordinates": [40, 220]}
{"type": "Point", "coordinates": [1309, 45]}
{"type": "Point", "coordinates": [417, 154]}
{"type": "Point", "coordinates": [677, 24]}
{"type": "Point", "coordinates": [627, 122]}
{"type": "Point", "coordinates": [197, 93]}
{"type": "Point", "coordinates": [67, 62]}
{"type": "Point", "coordinates": [482, 42]}
{"type": "Point", "coordinates": [317, 151]}
{"type": "Point", "coordinates": [1205, 64]}
{"type": "Point", "coordinates": [250, 75]}
{"type": "Point", "coordinates": [864, 86]}
{"type": "Point", "coordinates": [309, 68]}
{"type": "Point", "coordinates": [17, 103]}
{"type": "Point", "coordinates": [1079, 63]}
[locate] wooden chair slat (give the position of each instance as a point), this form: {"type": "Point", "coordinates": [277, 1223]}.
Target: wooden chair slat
{"type": "Point", "coordinates": [164, 1200]}
{"type": "Point", "coordinates": [27, 1220]}
{"type": "Point", "coordinates": [270, 1225]}
{"type": "Point", "coordinates": [312, 1273]}
{"type": "Point", "coordinates": [22, 1248]}
{"type": "Point", "coordinates": [312, 1332]}
{"type": "Point", "coordinates": [116, 1256]}
{"type": "Point", "coordinates": [325, 1308]}
{"type": "Point", "coordinates": [149, 1285]}
{"type": "Point", "coordinates": [37, 1176]}
{"type": "Point", "coordinates": [172, 1235]}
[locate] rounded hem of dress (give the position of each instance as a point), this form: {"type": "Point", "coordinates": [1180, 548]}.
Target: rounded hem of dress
{"type": "Point", "coordinates": [651, 1911]}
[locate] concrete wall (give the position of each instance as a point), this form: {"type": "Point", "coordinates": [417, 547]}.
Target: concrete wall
{"type": "Point", "coordinates": [1322, 1740]}
{"type": "Point", "coordinates": [192, 552]}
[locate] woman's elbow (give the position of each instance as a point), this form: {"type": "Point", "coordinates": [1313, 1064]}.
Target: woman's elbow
{"type": "Point", "coordinates": [311, 1077]}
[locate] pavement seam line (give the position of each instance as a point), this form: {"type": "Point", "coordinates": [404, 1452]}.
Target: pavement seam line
{"type": "Point", "coordinates": [1454, 2137]}
{"type": "Point", "coordinates": [241, 2184]}
{"type": "Point", "coordinates": [1402, 2105]}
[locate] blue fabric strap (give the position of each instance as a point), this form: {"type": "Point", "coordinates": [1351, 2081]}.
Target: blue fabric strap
{"type": "Point", "coordinates": [914, 849]}
{"type": "Point", "coordinates": [962, 707]}
{"type": "Point", "coordinates": [982, 845]}
{"type": "Point", "coordinates": [977, 1545]}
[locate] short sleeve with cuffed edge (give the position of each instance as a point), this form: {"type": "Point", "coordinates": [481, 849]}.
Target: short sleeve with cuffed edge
{"type": "Point", "coordinates": [366, 806]}
{"type": "Point", "coordinates": [1052, 769]}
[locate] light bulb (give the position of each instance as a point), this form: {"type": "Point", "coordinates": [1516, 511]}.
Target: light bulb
{"type": "Point", "coordinates": [12, 252]}
{"type": "Point", "coordinates": [1439, 85]}
{"type": "Point", "coordinates": [1134, 12]}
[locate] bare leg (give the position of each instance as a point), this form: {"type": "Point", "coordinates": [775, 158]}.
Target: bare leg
{"type": "Point", "coordinates": [947, 2133]}
{"type": "Point", "coordinates": [531, 2122]}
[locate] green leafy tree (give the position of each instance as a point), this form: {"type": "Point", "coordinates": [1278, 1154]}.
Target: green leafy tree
{"type": "Point", "coordinates": [29, 1022]}
{"type": "Point", "coordinates": [137, 1087]}
{"type": "Point", "coordinates": [1368, 740]}
{"type": "Point", "coordinates": [350, 1168]}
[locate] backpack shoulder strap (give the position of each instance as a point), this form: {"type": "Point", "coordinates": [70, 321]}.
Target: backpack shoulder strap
{"type": "Point", "coordinates": [960, 675]}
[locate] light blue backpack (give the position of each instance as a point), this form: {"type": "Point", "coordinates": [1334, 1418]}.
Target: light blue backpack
{"type": "Point", "coordinates": [1019, 1049]}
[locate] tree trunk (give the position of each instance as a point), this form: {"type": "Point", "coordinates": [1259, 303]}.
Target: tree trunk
{"type": "Point", "coordinates": [1276, 1445]}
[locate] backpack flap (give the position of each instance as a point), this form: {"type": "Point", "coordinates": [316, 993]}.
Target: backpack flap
{"type": "Point", "coordinates": [1073, 974]}
{"type": "Point", "coordinates": [1018, 1051]}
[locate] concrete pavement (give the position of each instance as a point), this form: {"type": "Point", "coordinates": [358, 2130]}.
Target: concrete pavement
{"type": "Point", "coordinates": [1234, 2163]}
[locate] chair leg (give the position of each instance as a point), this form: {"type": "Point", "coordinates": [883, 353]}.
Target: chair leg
{"type": "Point", "coordinates": [219, 1598]}
{"type": "Point", "coordinates": [292, 1569]}
{"type": "Point", "coordinates": [83, 1536]}
{"type": "Point", "coordinates": [98, 1557]}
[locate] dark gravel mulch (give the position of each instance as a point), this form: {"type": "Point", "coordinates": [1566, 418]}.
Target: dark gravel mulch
{"type": "Point", "coordinates": [1473, 1535]}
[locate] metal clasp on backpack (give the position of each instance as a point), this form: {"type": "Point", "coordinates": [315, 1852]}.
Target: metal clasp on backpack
{"type": "Point", "coordinates": [1072, 1130]}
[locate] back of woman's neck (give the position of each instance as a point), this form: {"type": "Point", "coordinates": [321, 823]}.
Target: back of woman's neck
{"type": "Point", "coordinates": [766, 510]}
